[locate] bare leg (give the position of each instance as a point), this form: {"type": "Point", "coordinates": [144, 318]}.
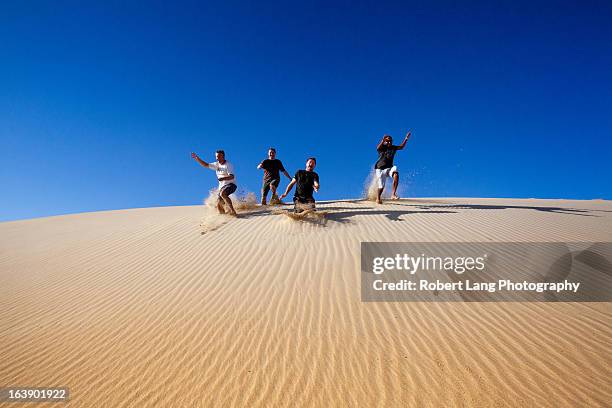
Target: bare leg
{"type": "Point", "coordinates": [395, 183]}
{"type": "Point", "coordinates": [228, 202]}
{"type": "Point", "coordinates": [220, 206]}
{"type": "Point", "coordinates": [298, 207]}
{"type": "Point", "coordinates": [274, 199]}
{"type": "Point", "coordinates": [378, 197]}
{"type": "Point", "coordinates": [264, 195]}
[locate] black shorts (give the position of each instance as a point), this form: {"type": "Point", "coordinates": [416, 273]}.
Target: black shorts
{"type": "Point", "coordinates": [227, 189]}
{"type": "Point", "coordinates": [302, 204]}
{"type": "Point", "coordinates": [267, 183]}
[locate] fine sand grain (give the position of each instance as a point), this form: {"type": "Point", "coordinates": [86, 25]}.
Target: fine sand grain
{"type": "Point", "coordinates": [178, 306]}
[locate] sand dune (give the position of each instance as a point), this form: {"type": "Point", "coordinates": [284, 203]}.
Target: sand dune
{"type": "Point", "coordinates": [175, 306]}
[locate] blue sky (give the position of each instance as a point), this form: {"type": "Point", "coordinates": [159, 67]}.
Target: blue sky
{"type": "Point", "coordinates": [102, 104]}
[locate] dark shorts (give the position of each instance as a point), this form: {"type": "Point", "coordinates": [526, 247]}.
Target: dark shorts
{"type": "Point", "coordinates": [227, 189]}
{"type": "Point", "coordinates": [267, 183]}
{"type": "Point", "coordinates": [302, 204]}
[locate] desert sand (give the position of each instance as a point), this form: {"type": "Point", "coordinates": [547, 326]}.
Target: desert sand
{"type": "Point", "coordinates": [175, 306]}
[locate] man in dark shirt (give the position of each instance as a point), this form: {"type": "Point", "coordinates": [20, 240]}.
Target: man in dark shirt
{"type": "Point", "coordinates": [272, 168]}
{"type": "Point", "coordinates": [307, 182]}
{"type": "Point", "coordinates": [384, 165]}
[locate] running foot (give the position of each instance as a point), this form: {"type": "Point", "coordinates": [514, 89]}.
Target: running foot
{"type": "Point", "coordinates": [378, 201]}
{"type": "Point", "coordinates": [395, 197]}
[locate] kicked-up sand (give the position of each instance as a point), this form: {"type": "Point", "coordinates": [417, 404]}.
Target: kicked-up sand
{"type": "Point", "coordinates": [153, 308]}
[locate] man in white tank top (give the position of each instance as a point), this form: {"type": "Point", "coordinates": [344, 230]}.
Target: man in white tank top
{"type": "Point", "coordinates": [226, 177]}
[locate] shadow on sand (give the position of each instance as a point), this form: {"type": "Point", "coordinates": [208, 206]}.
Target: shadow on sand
{"type": "Point", "coordinates": [344, 214]}
{"type": "Point", "coordinates": [393, 215]}
{"type": "Point", "coordinates": [558, 210]}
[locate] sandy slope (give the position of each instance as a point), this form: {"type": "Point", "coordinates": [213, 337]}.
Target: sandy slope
{"type": "Point", "coordinates": [138, 308]}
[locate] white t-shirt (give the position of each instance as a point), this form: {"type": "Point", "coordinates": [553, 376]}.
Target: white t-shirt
{"type": "Point", "coordinates": [223, 170]}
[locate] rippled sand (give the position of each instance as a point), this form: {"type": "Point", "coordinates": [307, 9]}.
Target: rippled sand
{"type": "Point", "coordinates": [176, 306]}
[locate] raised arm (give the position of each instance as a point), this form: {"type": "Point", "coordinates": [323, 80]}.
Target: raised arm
{"type": "Point", "coordinates": [401, 146]}
{"type": "Point", "coordinates": [381, 143]}
{"type": "Point", "coordinates": [197, 158]}
{"type": "Point", "coordinates": [289, 187]}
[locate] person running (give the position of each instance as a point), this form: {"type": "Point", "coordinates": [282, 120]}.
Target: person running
{"type": "Point", "coordinates": [272, 168]}
{"type": "Point", "coordinates": [307, 182]}
{"type": "Point", "coordinates": [226, 177]}
{"type": "Point", "coordinates": [384, 165]}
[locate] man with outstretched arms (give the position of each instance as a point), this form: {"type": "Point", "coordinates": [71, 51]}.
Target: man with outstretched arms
{"type": "Point", "coordinates": [384, 165]}
{"type": "Point", "coordinates": [272, 168]}
{"type": "Point", "coordinates": [307, 182]}
{"type": "Point", "coordinates": [226, 177]}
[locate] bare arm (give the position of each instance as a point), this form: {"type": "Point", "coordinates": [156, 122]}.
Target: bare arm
{"type": "Point", "coordinates": [197, 158]}
{"type": "Point", "coordinates": [401, 146]}
{"type": "Point", "coordinates": [260, 165]}
{"type": "Point", "coordinates": [380, 144]}
{"type": "Point", "coordinates": [316, 186]}
{"type": "Point", "coordinates": [286, 174]}
{"type": "Point", "coordinates": [289, 187]}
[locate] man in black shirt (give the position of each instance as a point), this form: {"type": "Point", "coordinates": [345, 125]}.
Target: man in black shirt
{"type": "Point", "coordinates": [272, 168]}
{"type": "Point", "coordinates": [384, 165]}
{"type": "Point", "coordinates": [307, 182]}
